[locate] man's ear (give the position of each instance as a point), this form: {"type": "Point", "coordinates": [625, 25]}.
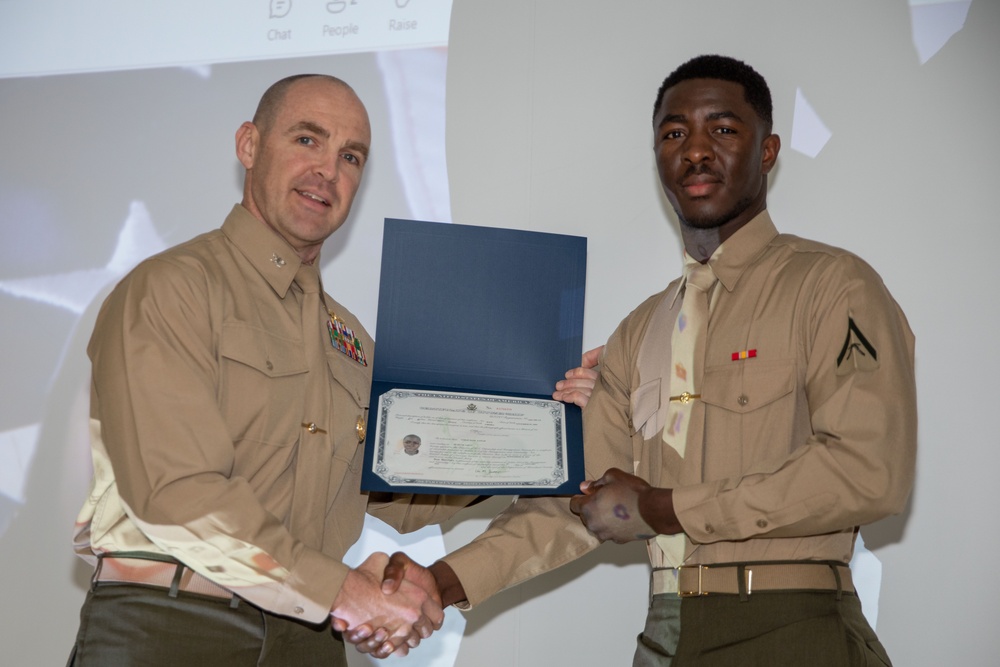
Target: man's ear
{"type": "Point", "coordinates": [769, 152]}
{"type": "Point", "coordinates": [247, 143]}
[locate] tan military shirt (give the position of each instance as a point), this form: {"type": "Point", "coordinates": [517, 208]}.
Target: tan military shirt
{"type": "Point", "coordinates": [807, 438]}
{"type": "Point", "coordinates": [211, 441]}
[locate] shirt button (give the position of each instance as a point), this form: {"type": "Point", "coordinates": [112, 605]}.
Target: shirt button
{"type": "Point", "coordinates": [630, 424]}
{"type": "Point", "coordinates": [299, 610]}
{"type": "Point", "coordinates": [761, 523]}
{"type": "Point", "coordinates": [270, 366]}
{"type": "Point", "coordinates": [743, 400]}
{"type": "Point", "coordinates": [709, 529]}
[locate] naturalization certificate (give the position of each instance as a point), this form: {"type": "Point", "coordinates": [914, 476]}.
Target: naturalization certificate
{"type": "Point", "coordinates": [475, 441]}
{"type": "Point", "coordinates": [475, 325]}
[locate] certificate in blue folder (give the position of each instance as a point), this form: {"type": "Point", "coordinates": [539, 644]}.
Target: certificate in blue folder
{"type": "Point", "coordinates": [475, 325]}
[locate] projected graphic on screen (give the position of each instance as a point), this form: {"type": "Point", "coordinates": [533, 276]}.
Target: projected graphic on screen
{"type": "Point", "coordinates": [125, 35]}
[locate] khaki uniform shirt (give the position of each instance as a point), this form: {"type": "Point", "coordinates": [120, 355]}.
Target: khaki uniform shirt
{"type": "Point", "coordinates": [203, 391]}
{"type": "Point", "coordinates": [803, 442]}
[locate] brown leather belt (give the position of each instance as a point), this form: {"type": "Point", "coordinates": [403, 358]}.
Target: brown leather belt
{"type": "Point", "coordinates": [170, 576]}
{"type": "Point", "coordinates": [746, 578]}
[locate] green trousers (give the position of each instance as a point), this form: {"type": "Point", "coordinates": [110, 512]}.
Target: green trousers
{"type": "Point", "coordinates": [770, 629]}
{"type": "Point", "coordinates": [123, 625]}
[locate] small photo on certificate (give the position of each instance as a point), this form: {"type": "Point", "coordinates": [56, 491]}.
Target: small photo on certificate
{"type": "Point", "coordinates": [450, 440]}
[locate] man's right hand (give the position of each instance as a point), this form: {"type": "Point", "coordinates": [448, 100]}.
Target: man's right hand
{"type": "Point", "coordinates": [368, 638]}
{"type": "Point", "coordinates": [410, 614]}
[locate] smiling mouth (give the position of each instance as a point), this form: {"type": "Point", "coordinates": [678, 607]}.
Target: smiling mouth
{"type": "Point", "coordinates": [315, 198]}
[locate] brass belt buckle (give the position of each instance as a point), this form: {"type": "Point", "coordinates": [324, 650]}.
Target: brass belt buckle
{"type": "Point", "coordinates": [690, 594]}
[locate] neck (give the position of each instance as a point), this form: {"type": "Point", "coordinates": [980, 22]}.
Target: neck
{"type": "Point", "coordinates": [700, 243]}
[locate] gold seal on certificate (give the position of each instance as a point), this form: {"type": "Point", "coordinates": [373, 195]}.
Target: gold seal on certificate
{"type": "Point", "coordinates": [451, 440]}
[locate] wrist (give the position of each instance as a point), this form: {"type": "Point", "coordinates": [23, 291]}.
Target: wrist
{"type": "Point", "coordinates": [448, 584]}
{"type": "Point", "coordinates": [656, 507]}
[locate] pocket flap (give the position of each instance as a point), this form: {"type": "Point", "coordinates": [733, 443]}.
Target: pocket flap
{"type": "Point", "coordinates": [744, 387]}
{"type": "Point", "coordinates": [274, 356]}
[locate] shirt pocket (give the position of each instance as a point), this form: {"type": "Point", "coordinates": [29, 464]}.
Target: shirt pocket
{"type": "Point", "coordinates": [262, 385]}
{"type": "Point", "coordinates": [350, 391]}
{"type": "Point", "coordinates": [749, 415]}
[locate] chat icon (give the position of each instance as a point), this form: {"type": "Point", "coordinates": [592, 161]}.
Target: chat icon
{"type": "Point", "coordinates": [280, 8]}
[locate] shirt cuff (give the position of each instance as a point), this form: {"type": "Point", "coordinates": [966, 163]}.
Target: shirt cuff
{"type": "Point", "coordinates": [478, 582]}
{"type": "Point", "coordinates": [310, 588]}
{"type": "Point", "coordinates": [699, 513]}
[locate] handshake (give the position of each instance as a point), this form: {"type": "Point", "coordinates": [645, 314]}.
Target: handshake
{"type": "Point", "coordinates": [388, 604]}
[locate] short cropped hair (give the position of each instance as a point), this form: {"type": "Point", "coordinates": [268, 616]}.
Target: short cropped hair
{"type": "Point", "coordinates": [755, 90]}
{"type": "Point", "coordinates": [270, 101]}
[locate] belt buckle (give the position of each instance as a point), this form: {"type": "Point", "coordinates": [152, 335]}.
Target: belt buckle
{"type": "Point", "coordinates": [691, 594]}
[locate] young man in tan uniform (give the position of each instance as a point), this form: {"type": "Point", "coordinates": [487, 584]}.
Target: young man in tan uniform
{"type": "Point", "coordinates": [800, 427]}
{"type": "Point", "coordinates": [227, 428]}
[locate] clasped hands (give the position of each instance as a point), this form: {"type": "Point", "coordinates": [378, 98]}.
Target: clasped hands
{"type": "Point", "coordinates": [399, 602]}
{"type": "Point", "coordinates": [404, 603]}
{"type": "Point", "coordinates": [385, 608]}
{"type": "Point", "coordinates": [387, 605]}
{"type": "Point", "coordinates": [394, 602]}
{"type": "Point", "coordinates": [374, 629]}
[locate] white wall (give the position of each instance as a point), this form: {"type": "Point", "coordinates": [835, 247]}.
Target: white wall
{"type": "Point", "coordinates": [549, 107]}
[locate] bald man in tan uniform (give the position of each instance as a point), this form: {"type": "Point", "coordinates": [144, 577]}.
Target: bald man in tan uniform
{"type": "Point", "coordinates": [227, 425]}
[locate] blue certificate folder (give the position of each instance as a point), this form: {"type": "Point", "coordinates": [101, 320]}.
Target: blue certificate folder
{"type": "Point", "coordinates": [478, 310]}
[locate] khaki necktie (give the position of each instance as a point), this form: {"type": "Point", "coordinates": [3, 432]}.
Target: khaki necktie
{"type": "Point", "coordinates": [309, 509]}
{"type": "Point", "coordinates": [687, 349]}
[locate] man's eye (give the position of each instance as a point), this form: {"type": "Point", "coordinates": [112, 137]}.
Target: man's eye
{"type": "Point", "coordinates": [306, 141]}
{"type": "Point", "coordinates": [672, 134]}
{"type": "Point", "coordinates": [353, 159]}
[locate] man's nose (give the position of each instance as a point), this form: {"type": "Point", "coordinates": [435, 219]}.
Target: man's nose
{"type": "Point", "coordinates": [328, 168]}
{"type": "Point", "coordinates": [698, 148]}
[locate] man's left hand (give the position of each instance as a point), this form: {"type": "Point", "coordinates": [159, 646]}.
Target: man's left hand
{"type": "Point", "coordinates": [609, 507]}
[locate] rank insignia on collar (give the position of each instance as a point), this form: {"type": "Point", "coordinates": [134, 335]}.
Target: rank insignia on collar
{"type": "Point", "coordinates": [342, 338]}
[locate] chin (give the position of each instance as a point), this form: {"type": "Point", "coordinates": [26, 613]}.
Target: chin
{"type": "Point", "coordinates": [703, 222]}
{"type": "Point", "coordinates": [714, 219]}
